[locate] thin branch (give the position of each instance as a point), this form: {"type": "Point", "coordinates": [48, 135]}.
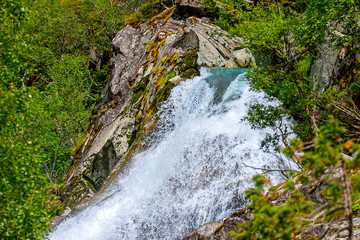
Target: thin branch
{"type": "Point", "coordinates": [346, 157]}
{"type": "Point", "coordinates": [320, 214]}
{"type": "Point", "coordinates": [82, 129]}
{"type": "Point", "coordinates": [347, 110]}
{"type": "Point", "coordinates": [308, 146]}
{"type": "Point", "coordinates": [336, 234]}
{"type": "Point", "coordinates": [166, 7]}
{"type": "Point", "coordinates": [347, 199]}
{"type": "Point", "coordinates": [269, 170]}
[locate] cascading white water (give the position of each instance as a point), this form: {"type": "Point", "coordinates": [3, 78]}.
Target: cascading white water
{"type": "Point", "coordinates": [193, 172]}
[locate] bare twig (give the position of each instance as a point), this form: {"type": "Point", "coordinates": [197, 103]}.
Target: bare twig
{"type": "Point", "coordinates": [308, 146]}
{"type": "Point", "coordinates": [82, 129]}
{"type": "Point", "coordinates": [347, 199]}
{"type": "Point", "coordinates": [320, 214]}
{"type": "Point", "coordinates": [336, 234]}
{"type": "Point", "coordinates": [351, 112]}
{"type": "Point", "coordinates": [269, 170]}
{"type": "Point", "coordinates": [346, 157]}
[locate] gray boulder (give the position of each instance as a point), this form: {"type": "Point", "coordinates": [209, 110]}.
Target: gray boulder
{"type": "Point", "coordinates": [242, 58]}
{"type": "Point", "coordinates": [332, 63]}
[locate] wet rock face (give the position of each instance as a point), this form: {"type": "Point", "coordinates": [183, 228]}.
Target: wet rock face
{"type": "Point", "coordinates": [102, 165]}
{"type": "Point", "coordinates": [323, 67]}
{"type": "Point", "coordinates": [188, 41]}
{"type": "Point", "coordinates": [332, 65]}
{"type": "Point", "coordinates": [147, 61]}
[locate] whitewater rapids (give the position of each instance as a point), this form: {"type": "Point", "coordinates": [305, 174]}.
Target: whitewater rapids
{"type": "Point", "coordinates": [194, 172]}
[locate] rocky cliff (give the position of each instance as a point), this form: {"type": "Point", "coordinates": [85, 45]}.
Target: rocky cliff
{"type": "Point", "coordinates": [148, 59]}
{"type": "Point", "coordinates": [332, 66]}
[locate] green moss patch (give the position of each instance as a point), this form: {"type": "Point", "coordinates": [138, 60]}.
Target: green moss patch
{"type": "Point", "coordinates": [188, 64]}
{"type": "Point", "coordinates": [189, 73]}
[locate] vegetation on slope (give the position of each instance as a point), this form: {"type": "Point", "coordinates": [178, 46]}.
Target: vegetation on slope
{"type": "Point", "coordinates": [287, 36]}
{"type": "Point", "coordinates": [48, 92]}
{"type": "Point", "coordinates": [24, 205]}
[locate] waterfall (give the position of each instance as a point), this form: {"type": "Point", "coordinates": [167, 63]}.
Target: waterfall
{"type": "Point", "coordinates": [194, 170]}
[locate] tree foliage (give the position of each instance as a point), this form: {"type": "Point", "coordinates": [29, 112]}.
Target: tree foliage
{"type": "Point", "coordinates": [327, 163]}
{"type": "Point", "coordinates": [47, 94]}
{"type": "Point", "coordinates": [25, 207]}
{"type": "Point", "coordinates": [13, 49]}
{"type": "Point", "coordinates": [59, 113]}
{"type": "Point", "coordinates": [59, 36]}
{"type": "Point", "coordinates": [289, 34]}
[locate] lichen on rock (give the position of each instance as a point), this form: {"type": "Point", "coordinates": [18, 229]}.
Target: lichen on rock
{"type": "Point", "coordinates": [148, 60]}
